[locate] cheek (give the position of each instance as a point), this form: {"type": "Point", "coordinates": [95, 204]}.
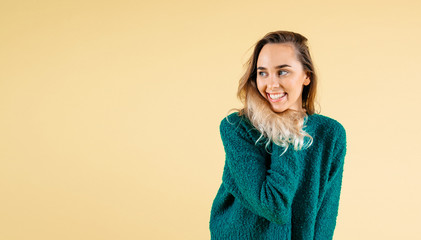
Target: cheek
{"type": "Point", "coordinates": [259, 84]}
{"type": "Point", "coordinates": [294, 86]}
{"type": "Point", "coordinates": [261, 88]}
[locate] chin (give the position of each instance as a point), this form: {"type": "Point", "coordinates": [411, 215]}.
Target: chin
{"type": "Point", "coordinates": [278, 110]}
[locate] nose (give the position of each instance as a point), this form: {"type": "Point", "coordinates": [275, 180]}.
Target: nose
{"type": "Point", "coordinates": [273, 82]}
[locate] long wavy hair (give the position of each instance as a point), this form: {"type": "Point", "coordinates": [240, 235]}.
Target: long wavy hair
{"type": "Point", "coordinates": [285, 128]}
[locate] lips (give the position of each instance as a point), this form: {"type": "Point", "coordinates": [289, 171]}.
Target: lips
{"type": "Point", "coordinates": [276, 97]}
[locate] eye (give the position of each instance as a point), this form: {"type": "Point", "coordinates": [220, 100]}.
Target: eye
{"type": "Point", "coordinates": [282, 72]}
{"type": "Point", "coordinates": [262, 74]}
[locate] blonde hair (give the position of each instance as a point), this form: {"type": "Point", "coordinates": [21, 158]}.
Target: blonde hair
{"type": "Point", "coordinates": [285, 128]}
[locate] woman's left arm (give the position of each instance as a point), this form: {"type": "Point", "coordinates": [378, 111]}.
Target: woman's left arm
{"type": "Point", "coordinates": [328, 210]}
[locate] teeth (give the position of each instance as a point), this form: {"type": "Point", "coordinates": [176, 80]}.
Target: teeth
{"type": "Point", "coordinates": [277, 96]}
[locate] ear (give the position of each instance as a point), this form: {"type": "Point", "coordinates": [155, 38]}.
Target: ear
{"type": "Point", "coordinates": [307, 80]}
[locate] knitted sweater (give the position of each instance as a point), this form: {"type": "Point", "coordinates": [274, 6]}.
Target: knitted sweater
{"type": "Point", "coordinates": [268, 196]}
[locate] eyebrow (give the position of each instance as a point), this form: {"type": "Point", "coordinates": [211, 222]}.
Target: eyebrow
{"type": "Point", "coordinates": [280, 66]}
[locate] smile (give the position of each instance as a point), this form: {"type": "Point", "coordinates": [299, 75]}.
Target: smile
{"type": "Point", "coordinates": [276, 97]}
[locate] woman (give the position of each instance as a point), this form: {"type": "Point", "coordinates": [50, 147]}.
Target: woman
{"type": "Point", "coordinates": [284, 163]}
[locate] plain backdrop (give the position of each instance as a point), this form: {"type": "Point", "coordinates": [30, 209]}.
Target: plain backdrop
{"type": "Point", "coordinates": [110, 111]}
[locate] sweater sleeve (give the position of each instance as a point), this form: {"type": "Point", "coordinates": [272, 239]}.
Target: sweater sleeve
{"type": "Point", "coordinates": [328, 210]}
{"type": "Point", "coordinates": [265, 189]}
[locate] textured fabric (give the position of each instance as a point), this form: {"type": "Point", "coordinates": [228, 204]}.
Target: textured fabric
{"type": "Point", "coordinates": [268, 196]}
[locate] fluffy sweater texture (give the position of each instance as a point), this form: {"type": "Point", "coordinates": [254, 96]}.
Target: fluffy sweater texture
{"type": "Point", "coordinates": [267, 196]}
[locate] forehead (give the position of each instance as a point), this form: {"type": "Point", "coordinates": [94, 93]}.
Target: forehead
{"type": "Point", "coordinates": [275, 54]}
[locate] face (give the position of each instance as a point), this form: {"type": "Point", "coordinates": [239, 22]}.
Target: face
{"type": "Point", "coordinates": [281, 77]}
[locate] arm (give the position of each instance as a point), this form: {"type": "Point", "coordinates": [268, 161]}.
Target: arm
{"type": "Point", "coordinates": [267, 192]}
{"type": "Point", "coordinates": [328, 210]}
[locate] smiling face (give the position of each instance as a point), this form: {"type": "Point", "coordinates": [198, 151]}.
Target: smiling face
{"type": "Point", "coordinates": [281, 77]}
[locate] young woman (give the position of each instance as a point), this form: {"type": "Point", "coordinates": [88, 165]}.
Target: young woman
{"type": "Point", "coordinates": [284, 162]}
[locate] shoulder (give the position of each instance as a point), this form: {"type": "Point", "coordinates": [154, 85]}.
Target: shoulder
{"type": "Point", "coordinates": [326, 124]}
{"type": "Point", "coordinates": [327, 128]}
{"type": "Point", "coordinates": [332, 135]}
{"type": "Point", "coordinates": [236, 125]}
{"type": "Point", "coordinates": [235, 120]}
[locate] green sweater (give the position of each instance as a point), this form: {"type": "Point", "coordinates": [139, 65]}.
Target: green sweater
{"type": "Point", "coordinates": [267, 196]}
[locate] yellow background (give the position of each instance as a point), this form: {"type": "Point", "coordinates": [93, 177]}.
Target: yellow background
{"type": "Point", "coordinates": [110, 111]}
